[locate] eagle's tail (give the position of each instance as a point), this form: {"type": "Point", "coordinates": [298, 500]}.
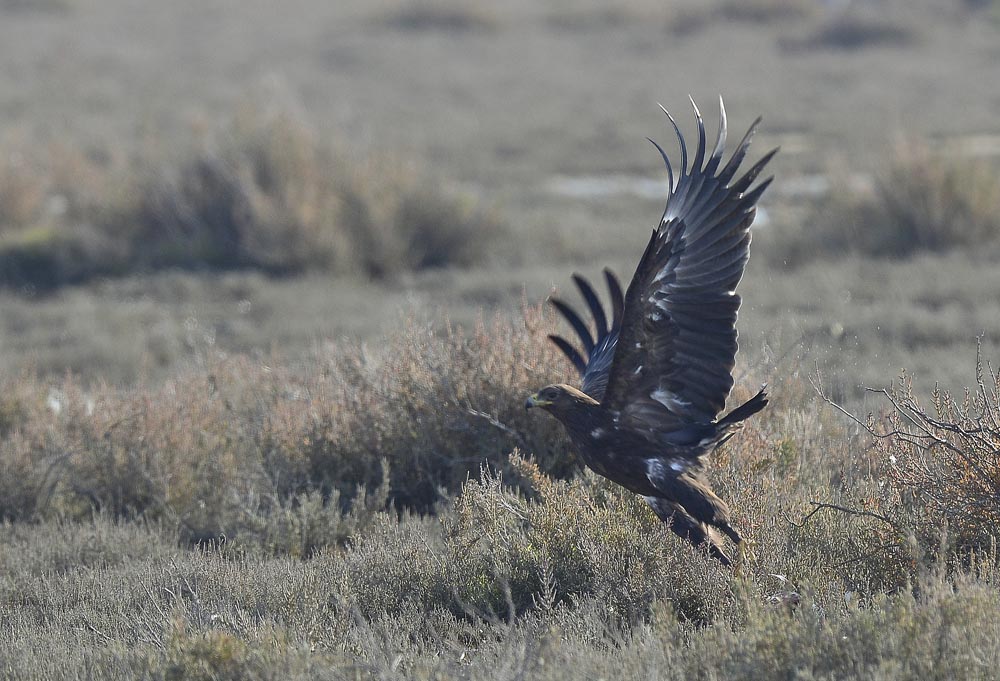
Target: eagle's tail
{"type": "Point", "coordinates": [747, 409]}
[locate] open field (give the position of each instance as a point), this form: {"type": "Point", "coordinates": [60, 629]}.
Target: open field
{"type": "Point", "coordinates": [269, 274]}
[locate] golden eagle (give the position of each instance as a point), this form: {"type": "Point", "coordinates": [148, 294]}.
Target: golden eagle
{"type": "Point", "coordinates": [654, 381]}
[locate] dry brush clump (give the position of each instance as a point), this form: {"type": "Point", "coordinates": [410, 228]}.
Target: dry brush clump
{"type": "Point", "coordinates": [943, 461]}
{"type": "Point", "coordinates": [237, 437]}
{"type": "Point", "coordinates": [440, 15]}
{"type": "Point", "coordinates": [265, 193]}
{"type": "Point", "coordinates": [696, 17]}
{"type": "Point", "coordinates": [263, 455]}
{"type": "Point", "coordinates": [921, 201]}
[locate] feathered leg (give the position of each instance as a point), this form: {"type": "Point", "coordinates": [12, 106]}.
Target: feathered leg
{"type": "Point", "coordinates": [686, 527]}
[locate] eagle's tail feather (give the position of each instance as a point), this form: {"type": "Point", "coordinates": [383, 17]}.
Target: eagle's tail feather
{"type": "Point", "coordinates": [747, 409]}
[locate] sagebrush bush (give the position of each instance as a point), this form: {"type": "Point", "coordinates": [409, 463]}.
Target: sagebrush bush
{"type": "Point", "coordinates": [849, 31]}
{"type": "Point", "coordinates": [265, 193]}
{"type": "Point", "coordinates": [264, 196]}
{"type": "Point", "coordinates": [584, 537]}
{"type": "Point", "coordinates": [236, 436]}
{"type": "Point", "coordinates": [441, 15]}
{"type": "Point", "coordinates": [943, 461]}
{"type": "Point", "coordinates": [268, 456]}
{"type": "Point", "coordinates": [921, 201]}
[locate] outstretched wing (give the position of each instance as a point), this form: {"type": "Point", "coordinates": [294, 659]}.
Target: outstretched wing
{"type": "Point", "coordinates": [599, 351]}
{"type": "Point", "coordinates": [677, 344]}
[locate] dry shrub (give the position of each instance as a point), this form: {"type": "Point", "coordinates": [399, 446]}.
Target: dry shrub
{"type": "Point", "coordinates": [270, 195]}
{"type": "Point", "coordinates": [933, 202]}
{"type": "Point", "coordinates": [236, 438]}
{"type": "Point", "coordinates": [695, 18]}
{"type": "Point", "coordinates": [50, 231]}
{"type": "Point", "coordinates": [503, 554]}
{"type": "Point", "coordinates": [270, 457]}
{"type": "Point", "coordinates": [51, 185]}
{"type": "Point", "coordinates": [434, 407]}
{"type": "Point", "coordinates": [395, 220]}
{"type": "Point", "coordinates": [441, 15]}
{"type": "Point", "coordinates": [574, 538]}
{"type": "Point", "coordinates": [921, 201]}
{"type": "Point", "coordinates": [850, 31]}
{"type": "Point", "coordinates": [266, 193]}
{"type": "Point", "coordinates": [944, 462]}
{"type": "Point", "coordinates": [263, 196]}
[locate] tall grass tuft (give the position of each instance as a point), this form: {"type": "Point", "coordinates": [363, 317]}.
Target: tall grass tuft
{"type": "Point", "coordinates": [266, 193]}
{"type": "Point", "coordinates": [921, 201]}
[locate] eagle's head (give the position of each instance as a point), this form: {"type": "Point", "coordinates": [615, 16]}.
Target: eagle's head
{"type": "Point", "coordinates": [560, 399]}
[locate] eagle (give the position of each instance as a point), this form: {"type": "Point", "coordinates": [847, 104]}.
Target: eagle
{"type": "Point", "coordinates": [654, 380]}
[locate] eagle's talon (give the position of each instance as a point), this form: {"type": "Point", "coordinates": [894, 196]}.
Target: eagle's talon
{"type": "Point", "coordinates": [744, 557]}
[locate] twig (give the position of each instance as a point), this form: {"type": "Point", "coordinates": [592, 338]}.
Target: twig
{"type": "Point", "coordinates": [497, 423]}
{"type": "Point", "coordinates": [864, 556]}
{"type": "Point", "coordinates": [820, 505]}
{"type": "Point", "coordinates": [829, 400]}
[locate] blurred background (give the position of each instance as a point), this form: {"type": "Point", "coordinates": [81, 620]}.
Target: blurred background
{"type": "Point", "coordinates": [194, 177]}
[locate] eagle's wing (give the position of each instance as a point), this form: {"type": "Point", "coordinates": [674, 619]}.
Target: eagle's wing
{"type": "Point", "coordinates": [600, 350]}
{"type": "Point", "coordinates": [677, 343]}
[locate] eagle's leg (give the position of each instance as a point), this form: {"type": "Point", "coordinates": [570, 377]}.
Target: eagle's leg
{"type": "Point", "coordinates": [744, 548]}
{"type": "Point", "coordinates": [744, 556]}
{"type": "Point", "coordinates": [686, 527]}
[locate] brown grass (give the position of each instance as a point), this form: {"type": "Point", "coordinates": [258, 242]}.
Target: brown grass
{"type": "Point", "coordinates": [265, 193]}
{"type": "Point", "coordinates": [424, 408]}
{"type": "Point", "coordinates": [922, 201]}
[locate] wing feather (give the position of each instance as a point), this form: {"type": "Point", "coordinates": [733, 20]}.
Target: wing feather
{"type": "Point", "coordinates": [578, 325]}
{"type": "Point", "coordinates": [677, 339]}
{"type": "Point", "coordinates": [572, 353]}
{"type": "Point", "coordinates": [617, 298]}
{"type": "Point", "coordinates": [596, 310]}
{"type": "Point", "coordinates": [599, 349]}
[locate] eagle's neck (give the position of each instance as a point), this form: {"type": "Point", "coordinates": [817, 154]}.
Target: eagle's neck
{"type": "Point", "coordinates": [586, 416]}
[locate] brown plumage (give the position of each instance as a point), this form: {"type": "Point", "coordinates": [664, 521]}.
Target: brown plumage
{"type": "Point", "coordinates": [654, 382]}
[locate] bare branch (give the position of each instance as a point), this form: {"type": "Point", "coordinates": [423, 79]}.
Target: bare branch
{"type": "Point", "coordinates": [497, 423]}
{"type": "Point", "coordinates": [820, 505]}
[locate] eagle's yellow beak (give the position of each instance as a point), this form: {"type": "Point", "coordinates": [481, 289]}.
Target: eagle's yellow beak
{"type": "Point", "coordinates": [536, 401]}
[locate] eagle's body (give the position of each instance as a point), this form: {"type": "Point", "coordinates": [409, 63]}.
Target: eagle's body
{"type": "Point", "coordinates": [655, 380]}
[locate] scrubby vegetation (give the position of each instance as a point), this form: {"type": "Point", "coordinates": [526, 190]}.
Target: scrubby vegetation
{"type": "Point", "coordinates": [945, 459]}
{"type": "Point", "coordinates": [441, 15]}
{"type": "Point", "coordinates": [411, 419]}
{"type": "Point", "coordinates": [265, 193]}
{"type": "Point", "coordinates": [700, 16]}
{"type": "Point", "coordinates": [920, 201]}
{"type": "Point", "coordinates": [391, 512]}
{"type": "Point", "coordinates": [382, 507]}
